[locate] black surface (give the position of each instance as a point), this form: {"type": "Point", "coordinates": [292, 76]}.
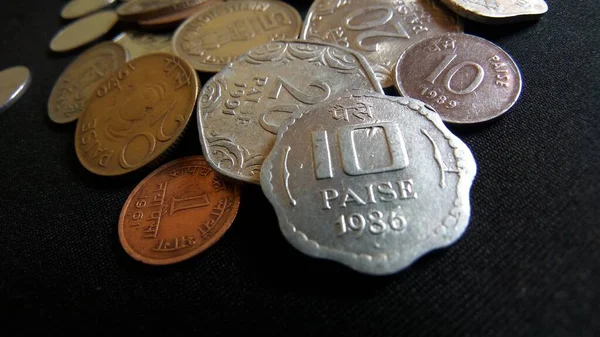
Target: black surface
{"type": "Point", "coordinates": [528, 264]}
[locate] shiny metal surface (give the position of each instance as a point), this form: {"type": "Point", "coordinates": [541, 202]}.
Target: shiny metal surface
{"type": "Point", "coordinates": [14, 82]}
{"type": "Point", "coordinates": [78, 8]}
{"type": "Point", "coordinates": [379, 29]}
{"type": "Point", "coordinates": [139, 43]}
{"type": "Point", "coordinates": [240, 109]}
{"type": "Point", "coordinates": [83, 31]}
{"type": "Point", "coordinates": [370, 181]}
{"type": "Point", "coordinates": [466, 79]}
{"type": "Point", "coordinates": [498, 11]}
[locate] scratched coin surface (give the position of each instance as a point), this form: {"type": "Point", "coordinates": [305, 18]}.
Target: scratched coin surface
{"type": "Point", "coordinates": [146, 9]}
{"type": "Point", "coordinates": [370, 181]}
{"type": "Point", "coordinates": [136, 114]}
{"type": "Point", "coordinates": [240, 109]}
{"type": "Point", "coordinates": [78, 8]}
{"type": "Point", "coordinates": [498, 11]}
{"type": "Point", "coordinates": [83, 31]}
{"type": "Point", "coordinates": [178, 211]}
{"type": "Point", "coordinates": [379, 29]}
{"type": "Point", "coordinates": [14, 82]}
{"type": "Point", "coordinates": [216, 36]}
{"type": "Point", "coordinates": [140, 43]}
{"type": "Point", "coordinates": [466, 79]}
{"type": "Point", "coordinates": [78, 81]}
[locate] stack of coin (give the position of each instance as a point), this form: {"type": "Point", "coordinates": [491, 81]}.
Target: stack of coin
{"type": "Point", "coordinates": [371, 181]}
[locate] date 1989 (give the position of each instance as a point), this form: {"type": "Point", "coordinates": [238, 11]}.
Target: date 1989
{"type": "Point", "coordinates": [375, 222]}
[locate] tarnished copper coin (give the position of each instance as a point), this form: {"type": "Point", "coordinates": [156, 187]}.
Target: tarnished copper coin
{"type": "Point", "coordinates": [146, 9]}
{"type": "Point", "coordinates": [136, 114]}
{"type": "Point", "coordinates": [178, 211]}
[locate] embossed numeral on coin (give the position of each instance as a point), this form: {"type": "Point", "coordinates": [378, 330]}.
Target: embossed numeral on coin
{"type": "Point", "coordinates": [450, 74]}
{"type": "Point", "coordinates": [376, 222]}
{"type": "Point", "coordinates": [385, 14]}
{"type": "Point", "coordinates": [298, 95]}
{"type": "Point", "coordinates": [394, 143]}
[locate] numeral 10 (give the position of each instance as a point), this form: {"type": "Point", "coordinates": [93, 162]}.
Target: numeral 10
{"type": "Point", "coordinates": [450, 74]}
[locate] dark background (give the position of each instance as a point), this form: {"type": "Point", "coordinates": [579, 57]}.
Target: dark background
{"type": "Point", "coordinates": [528, 264]}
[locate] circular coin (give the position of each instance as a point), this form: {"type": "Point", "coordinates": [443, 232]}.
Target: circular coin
{"type": "Point", "coordinates": [14, 82]}
{"type": "Point", "coordinates": [371, 181]}
{"type": "Point", "coordinates": [174, 19]}
{"type": "Point", "coordinates": [83, 31]}
{"type": "Point", "coordinates": [240, 109]}
{"type": "Point", "coordinates": [216, 36]}
{"type": "Point", "coordinates": [178, 211]}
{"type": "Point", "coordinates": [145, 9]}
{"type": "Point", "coordinates": [78, 8]}
{"type": "Point", "coordinates": [498, 11]}
{"type": "Point", "coordinates": [466, 79]}
{"type": "Point", "coordinates": [140, 43]}
{"type": "Point", "coordinates": [78, 81]}
{"type": "Point", "coordinates": [135, 114]}
{"type": "Point", "coordinates": [379, 29]}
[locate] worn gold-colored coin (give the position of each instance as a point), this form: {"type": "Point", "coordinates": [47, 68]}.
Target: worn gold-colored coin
{"type": "Point", "coordinates": [78, 81]}
{"type": "Point", "coordinates": [172, 20]}
{"type": "Point", "coordinates": [145, 9]}
{"type": "Point", "coordinates": [136, 114]}
{"type": "Point", "coordinates": [215, 37]}
{"type": "Point", "coordinates": [140, 43]}
{"type": "Point", "coordinates": [379, 29]}
{"type": "Point", "coordinates": [83, 31]}
{"type": "Point", "coordinates": [178, 211]}
{"type": "Point", "coordinates": [78, 8]}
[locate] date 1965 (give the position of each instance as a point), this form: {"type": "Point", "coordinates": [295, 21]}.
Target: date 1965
{"type": "Point", "coordinates": [375, 223]}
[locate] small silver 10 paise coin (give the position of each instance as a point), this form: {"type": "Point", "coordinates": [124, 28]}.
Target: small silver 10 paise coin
{"type": "Point", "coordinates": [370, 181]}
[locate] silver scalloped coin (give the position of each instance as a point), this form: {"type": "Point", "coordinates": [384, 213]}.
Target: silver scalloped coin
{"type": "Point", "coordinates": [370, 181]}
{"type": "Point", "coordinates": [498, 11]}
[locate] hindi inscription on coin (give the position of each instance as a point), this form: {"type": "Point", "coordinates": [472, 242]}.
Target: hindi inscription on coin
{"type": "Point", "coordinates": [136, 114]}
{"type": "Point", "coordinates": [78, 81]}
{"type": "Point", "coordinates": [240, 109]}
{"type": "Point", "coordinates": [178, 211]}
{"type": "Point", "coordinates": [498, 11]}
{"type": "Point", "coordinates": [466, 79]}
{"type": "Point", "coordinates": [216, 36]}
{"type": "Point", "coordinates": [370, 181]}
{"type": "Point", "coordinates": [379, 29]}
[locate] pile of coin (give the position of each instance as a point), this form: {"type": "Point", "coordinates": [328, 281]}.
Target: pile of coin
{"type": "Point", "coordinates": [369, 180]}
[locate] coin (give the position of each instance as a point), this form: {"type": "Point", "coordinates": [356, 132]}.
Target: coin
{"type": "Point", "coordinates": [78, 8]}
{"type": "Point", "coordinates": [136, 114]}
{"type": "Point", "coordinates": [14, 82]}
{"type": "Point", "coordinates": [370, 181]}
{"type": "Point", "coordinates": [178, 211]}
{"type": "Point", "coordinates": [466, 79]}
{"type": "Point", "coordinates": [78, 81]}
{"type": "Point", "coordinates": [215, 37]}
{"type": "Point", "coordinates": [174, 19]}
{"type": "Point", "coordinates": [140, 43]}
{"type": "Point", "coordinates": [145, 9]}
{"type": "Point", "coordinates": [379, 29]}
{"type": "Point", "coordinates": [240, 109]}
{"type": "Point", "coordinates": [498, 11]}
{"type": "Point", "coordinates": [83, 31]}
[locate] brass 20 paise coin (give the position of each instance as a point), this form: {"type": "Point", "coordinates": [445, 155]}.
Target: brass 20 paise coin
{"type": "Point", "coordinates": [178, 211]}
{"type": "Point", "coordinates": [78, 81]}
{"type": "Point", "coordinates": [136, 114]}
{"type": "Point", "coordinates": [218, 35]}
